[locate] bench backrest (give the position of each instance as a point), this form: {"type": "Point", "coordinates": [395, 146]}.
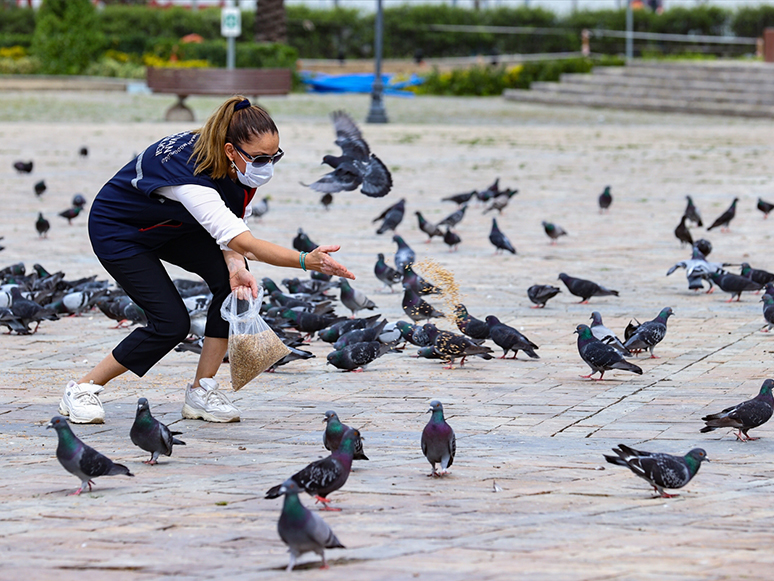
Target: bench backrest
{"type": "Point", "coordinates": [220, 81]}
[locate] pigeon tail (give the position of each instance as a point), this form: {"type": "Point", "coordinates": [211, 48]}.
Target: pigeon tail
{"type": "Point", "coordinates": [119, 470]}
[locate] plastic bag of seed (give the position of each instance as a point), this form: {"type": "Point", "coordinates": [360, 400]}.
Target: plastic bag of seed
{"type": "Point", "coordinates": [252, 346]}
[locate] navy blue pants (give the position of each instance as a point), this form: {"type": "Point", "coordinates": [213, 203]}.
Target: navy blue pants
{"type": "Point", "coordinates": [146, 282]}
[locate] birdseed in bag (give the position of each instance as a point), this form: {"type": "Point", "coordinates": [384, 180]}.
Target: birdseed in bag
{"type": "Point", "coordinates": [252, 354]}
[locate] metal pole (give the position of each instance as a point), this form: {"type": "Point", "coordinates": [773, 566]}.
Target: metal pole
{"type": "Point", "coordinates": [377, 113]}
{"type": "Point", "coordinates": [230, 45]}
{"type": "Point", "coordinates": [629, 28]}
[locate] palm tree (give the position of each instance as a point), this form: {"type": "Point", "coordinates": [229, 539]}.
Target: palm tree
{"type": "Point", "coordinates": [270, 25]}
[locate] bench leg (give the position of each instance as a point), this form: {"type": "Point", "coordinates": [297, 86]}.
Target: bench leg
{"type": "Point", "coordinates": [179, 111]}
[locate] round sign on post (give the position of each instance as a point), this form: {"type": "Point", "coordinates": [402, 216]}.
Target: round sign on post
{"type": "Point", "coordinates": [230, 22]}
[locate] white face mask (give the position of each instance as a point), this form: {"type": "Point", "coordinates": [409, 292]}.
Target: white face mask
{"type": "Point", "coordinates": [254, 177]}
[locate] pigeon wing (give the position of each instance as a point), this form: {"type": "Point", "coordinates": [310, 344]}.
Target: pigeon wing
{"type": "Point", "coordinates": [349, 138]}
{"type": "Point", "coordinates": [377, 180]}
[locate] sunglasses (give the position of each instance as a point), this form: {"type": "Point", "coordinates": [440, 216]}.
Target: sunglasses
{"type": "Point", "coordinates": [259, 160]}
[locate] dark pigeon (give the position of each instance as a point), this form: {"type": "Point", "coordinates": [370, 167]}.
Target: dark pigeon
{"type": "Point", "coordinates": [416, 307]}
{"type": "Point", "coordinates": [439, 444]}
{"type": "Point", "coordinates": [460, 199]}
{"type": "Point", "coordinates": [541, 293]}
{"type": "Point", "coordinates": [660, 470]}
{"type": "Point", "coordinates": [724, 220]}
{"type": "Point", "coordinates": [302, 243]}
{"type": "Point", "coordinates": [385, 273]}
{"type": "Point", "coordinates": [599, 356]}
{"type": "Point", "coordinates": [309, 323]}
{"type": "Point", "coordinates": [585, 289]}
{"type": "Point", "coordinates": [768, 311]}
{"type": "Point", "coordinates": [42, 226]}
{"type": "Point", "coordinates": [454, 218]}
{"type": "Point", "coordinates": [326, 200]}
{"type": "Point", "coordinates": [40, 187]}
{"type": "Point", "coordinates": [428, 227]}
{"type": "Point", "coordinates": [391, 217]}
{"type": "Point", "coordinates": [605, 199]}
{"type": "Point", "coordinates": [151, 435]}
{"type": "Point", "coordinates": [28, 311]}
{"type": "Point", "coordinates": [452, 239]}
{"type": "Point", "coordinates": [691, 213]}
{"type": "Point", "coordinates": [365, 335]}
{"type": "Point", "coordinates": [403, 255]}
{"type": "Point", "coordinates": [419, 284]}
{"type": "Point", "coordinates": [744, 416]}
{"type": "Point", "coordinates": [414, 334]}
{"type": "Point", "coordinates": [23, 166]}
{"type": "Point", "coordinates": [355, 357]}
{"type": "Point", "coordinates": [81, 460]}
{"type": "Point", "coordinates": [450, 346]}
{"type": "Point", "coordinates": [469, 325]}
{"type": "Point", "coordinates": [83, 151]}
{"type": "Point", "coordinates": [334, 433]}
{"type": "Point", "coordinates": [682, 233]}
{"type": "Point", "coordinates": [491, 192]}
{"type": "Point", "coordinates": [501, 201]}
{"type": "Point", "coordinates": [734, 284]}
{"type": "Point", "coordinates": [650, 333]}
{"type": "Point", "coordinates": [762, 277]}
{"type": "Point", "coordinates": [765, 207]}
{"type": "Point", "coordinates": [500, 240]}
{"type": "Point", "coordinates": [553, 231]}
{"type": "Point", "coordinates": [70, 214]}
{"type": "Point", "coordinates": [509, 339]}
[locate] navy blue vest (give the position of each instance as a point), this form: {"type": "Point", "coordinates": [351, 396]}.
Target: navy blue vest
{"type": "Point", "coordinates": [127, 218]}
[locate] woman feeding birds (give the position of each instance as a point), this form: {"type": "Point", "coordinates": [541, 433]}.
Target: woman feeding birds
{"type": "Point", "coordinates": [184, 200]}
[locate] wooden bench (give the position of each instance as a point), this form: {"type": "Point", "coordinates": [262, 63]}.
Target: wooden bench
{"type": "Point", "coordinates": [184, 82]}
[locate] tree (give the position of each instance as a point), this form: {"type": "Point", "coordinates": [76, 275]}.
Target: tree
{"type": "Point", "coordinates": [270, 24]}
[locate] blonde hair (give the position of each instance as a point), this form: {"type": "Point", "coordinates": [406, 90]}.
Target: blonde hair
{"type": "Point", "coordinates": [228, 126]}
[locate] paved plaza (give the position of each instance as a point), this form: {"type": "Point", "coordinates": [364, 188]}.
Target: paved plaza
{"type": "Point", "coordinates": [532, 426]}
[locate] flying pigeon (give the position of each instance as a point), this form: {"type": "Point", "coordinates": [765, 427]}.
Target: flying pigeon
{"type": "Point", "coordinates": [500, 240]}
{"type": "Point", "coordinates": [541, 293]}
{"type": "Point", "coordinates": [604, 334]}
{"type": "Point", "coordinates": [391, 217]}
{"type": "Point", "coordinates": [302, 243]}
{"type": "Point", "coordinates": [81, 460]}
{"type": "Point", "coordinates": [682, 233]}
{"type": "Point", "coordinates": [762, 277]}
{"type": "Point", "coordinates": [744, 416]}
{"type": "Point", "coordinates": [650, 333]}
{"type": "Point", "coordinates": [734, 284]}
{"type": "Point", "coordinates": [327, 475]}
{"type": "Point", "coordinates": [385, 273]}
{"type": "Point", "coordinates": [356, 356]}
{"type": "Point", "coordinates": [697, 269]}
{"type": "Point", "coordinates": [151, 435]}
{"type": "Point", "coordinates": [553, 231]}
{"type": "Point", "coordinates": [404, 255]}
{"type": "Point", "coordinates": [449, 346]}
{"type": "Point", "coordinates": [70, 213]}
{"type": "Point", "coordinates": [470, 326]}
{"type": "Point", "coordinates": [500, 202]}
{"type": "Point", "coordinates": [509, 339]}
{"type": "Point", "coordinates": [460, 199]}
{"type": "Point", "coordinates": [599, 356]}
{"type": "Point", "coordinates": [301, 529]}
{"type": "Point", "coordinates": [416, 307]}
{"type": "Point", "coordinates": [439, 443]}
{"type": "Point", "coordinates": [585, 289]}
{"type": "Point", "coordinates": [23, 167]}
{"type": "Point", "coordinates": [354, 299]}
{"type": "Point", "coordinates": [605, 199]}
{"type": "Point", "coordinates": [356, 166]}
{"type": "Point", "coordinates": [768, 311]}
{"type": "Point", "coordinates": [42, 226]}
{"type": "Point", "coordinates": [724, 220]}
{"type": "Point", "coordinates": [691, 213]}
{"type": "Point", "coordinates": [40, 187]}
{"type": "Point", "coordinates": [660, 470]}
{"type": "Point", "coordinates": [428, 227]}
{"type": "Point", "coordinates": [419, 284]}
{"type": "Point", "coordinates": [454, 218]}
{"type": "Point", "coordinates": [261, 208]}
{"type": "Point", "coordinates": [765, 207]}
{"type": "Point", "coordinates": [451, 239]}
{"type": "Point", "coordinates": [334, 433]}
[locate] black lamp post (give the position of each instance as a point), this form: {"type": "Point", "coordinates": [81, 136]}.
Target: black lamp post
{"type": "Point", "coordinates": [377, 113]}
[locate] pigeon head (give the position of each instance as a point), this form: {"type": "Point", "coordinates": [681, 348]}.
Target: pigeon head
{"type": "Point", "coordinates": [380, 256]}
{"type": "Point", "coordinates": [665, 314]}
{"type": "Point", "coordinates": [58, 423]}
{"type": "Point", "coordinates": [142, 404]}
{"type": "Point", "coordinates": [348, 440]}
{"type": "Point", "coordinates": [766, 387]}
{"type": "Point", "coordinates": [694, 458]}
{"type": "Point", "coordinates": [596, 318]}
{"type": "Point", "coordinates": [335, 357]}
{"type": "Point", "coordinates": [492, 320]}
{"type": "Point", "coordinates": [290, 486]}
{"type": "Point", "coordinates": [768, 299]}
{"type": "Point", "coordinates": [431, 330]}
{"type": "Point", "coordinates": [562, 276]}
{"type": "Point", "coordinates": [329, 415]}
{"type": "Point", "coordinates": [584, 332]}
{"type": "Point", "coordinates": [435, 406]}
{"type": "Point", "coordinates": [460, 311]}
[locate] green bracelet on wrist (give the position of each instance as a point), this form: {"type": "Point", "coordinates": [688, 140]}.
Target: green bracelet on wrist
{"type": "Point", "coordinates": [302, 260]}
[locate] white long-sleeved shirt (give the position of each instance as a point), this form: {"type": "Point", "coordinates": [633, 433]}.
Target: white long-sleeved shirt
{"type": "Point", "coordinates": [207, 207]}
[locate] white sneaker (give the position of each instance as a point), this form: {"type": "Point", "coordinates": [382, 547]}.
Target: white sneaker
{"type": "Point", "coordinates": [81, 403]}
{"type": "Point", "coordinates": [208, 403]}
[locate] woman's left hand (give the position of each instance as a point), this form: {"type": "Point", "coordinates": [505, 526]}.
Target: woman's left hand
{"type": "Point", "coordinates": [243, 284]}
{"type": "Point", "coordinates": [319, 260]}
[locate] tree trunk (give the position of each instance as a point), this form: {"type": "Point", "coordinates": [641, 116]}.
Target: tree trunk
{"type": "Point", "coordinates": [270, 25]}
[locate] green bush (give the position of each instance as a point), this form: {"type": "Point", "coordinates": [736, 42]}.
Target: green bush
{"type": "Point", "coordinates": [67, 37]}
{"type": "Point", "coordinates": [111, 67]}
{"type": "Point", "coordinates": [247, 55]}
{"type": "Point", "coordinates": [752, 20]}
{"type": "Point", "coordinates": [13, 39]}
{"type": "Point", "coordinates": [17, 21]}
{"type": "Point", "coordinates": [175, 22]}
{"type": "Point", "coordinates": [21, 66]}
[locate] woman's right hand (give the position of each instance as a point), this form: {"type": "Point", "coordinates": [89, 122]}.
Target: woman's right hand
{"type": "Point", "coordinates": [319, 259]}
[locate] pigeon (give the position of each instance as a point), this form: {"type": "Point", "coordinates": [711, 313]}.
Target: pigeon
{"type": "Point", "coordinates": [744, 416]}
{"type": "Point", "coordinates": [762, 277]}
{"type": "Point", "coordinates": [697, 269]}
{"type": "Point", "coordinates": [682, 233]}
{"type": "Point", "coordinates": [734, 284]}
{"type": "Point", "coordinates": [83, 151]}
{"type": "Point", "coordinates": [404, 255]}
{"type": "Point", "coordinates": [460, 199]}
{"type": "Point", "coordinates": [414, 334]}
{"type": "Point", "coordinates": [42, 226]}
{"type": "Point", "coordinates": [385, 273]}
{"type": "Point", "coordinates": [416, 307]}
{"type": "Point", "coordinates": [81, 460]}
{"type": "Point", "coordinates": [449, 346]}
{"type": "Point", "coordinates": [604, 334]}
{"type": "Point", "coordinates": [660, 470]}
{"type": "Point", "coordinates": [650, 333]}
{"type": "Point", "coordinates": [470, 326]}
{"type": "Point", "coordinates": [605, 199]}
{"type": "Point", "coordinates": [22, 166]}
{"type": "Point", "coordinates": [70, 213]}
{"type": "Point", "coordinates": [509, 339]}
{"type": "Point", "coordinates": [366, 335]}
{"type": "Point", "coordinates": [553, 231]}
{"type": "Point", "coordinates": [301, 529]}
{"type": "Point", "coordinates": [454, 218]}
{"type": "Point", "coordinates": [355, 357]}
{"type": "Point", "coordinates": [28, 311]}
{"type": "Point", "coordinates": [691, 213]}
{"type": "Point", "coordinates": [540, 294]}
{"type": "Point", "coordinates": [704, 246]}
{"type": "Point", "coordinates": [151, 435]}
{"type": "Point", "coordinates": [765, 207]}
{"type": "Point", "coordinates": [391, 217]}
{"type": "Point", "coordinates": [294, 355]}
{"type": "Point", "coordinates": [327, 475]}
{"type": "Point", "coordinates": [326, 200]}
{"type": "Point", "coordinates": [354, 299]}
{"type": "Point", "coordinates": [428, 227]}
{"type": "Point", "coordinates": [599, 356]}
{"type": "Point", "coordinates": [356, 167]}
{"type": "Point", "coordinates": [724, 220]}
{"type": "Point", "coordinates": [451, 239]}
{"type": "Point", "coordinates": [334, 432]}
{"type": "Point", "coordinates": [491, 192]}
{"type": "Point", "coordinates": [40, 187]}
{"type": "Point", "coordinates": [419, 284]}
{"type": "Point", "coordinates": [439, 444]}
{"type": "Point", "coordinates": [309, 322]}
{"type": "Point", "coordinates": [261, 208]}
{"type": "Point", "coordinates": [500, 240]}
{"type": "Point", "coordinates": [768, 311]}
{"type": "Point", "coordinates": [585, 289]}
{"type": "Point", "coordinates": [501, 201]}
{"type": "Point", "coordinates": [302, 243]}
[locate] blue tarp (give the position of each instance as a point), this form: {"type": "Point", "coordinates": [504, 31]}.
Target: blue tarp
{"type": "Point", "coordinates": [358, 83]}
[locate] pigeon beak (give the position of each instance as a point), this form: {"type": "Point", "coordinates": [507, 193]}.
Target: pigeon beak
{"type": "Point", "coordinates": [429, 411]}
{"type": "Point", "coordinates": [49, 425]}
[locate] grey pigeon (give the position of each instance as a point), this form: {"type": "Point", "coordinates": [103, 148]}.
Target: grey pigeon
{"type": "Point", "coordinates": [734, 284]}
{"type": "Point", "coordinates": [553, 231]}
{"type": "Point", "coordinates": [414, 334]}
{"type": "Point", "coordinates": [354, 299]}
{"type": "Point", "coordinates": [691, 213]}
{"type": "Point", "coordinates": [768, 311]}
{"type": "Point", "coordinates": [302, 530]}
{"type": "Point", "coordinates": [500, 240]}
{"type": "Point", "coordinates": [357, 355]}
{"type": "Point", "coordinates": [540, 294]}
{"type": "Point", "coordinates": [599, 356]}
{"type": "Point", "coordinates": [744, 416]}
{"type": "Point", "coordinates": [81, 460]}
{"type": "Point", "coordinates": [449, 346]}
{"type": "Point", "coordinates": [454, 218]}
{"type": "Point", "coordinates": [428, 227]}
{"type": "Point", "coordinates": [391, 217]}
{"type": "Point", "coordinates": [151, 435]}
{"type": "Point", "coordinates": [724, 220]}
{"type": "Point", "coordinates": [261, 208]}
{"type": "Point", "coordinates": [302, 243]}
{"type": "Point", "coordinates": [334, 433]}
{"type": "Point", "coordinates": [697, 269]}
{"type": "Point", "coordinates": [758, 275]}
{"type": "Point", "coordinates": [601, 332]}
{"type": "Point", "coordinates": [660, 470]}
{"type": "Point", "coordinates": [500, 202]}
{"type": "Point", "coordinates": [78, 201]}
{"type": "Point", "coordinates": [585, 289]}
{"type": "Point", "coordinates": [404, 255]}
{"type": "Point", "coordinates": [509, 338]}
{"type": "Point", "coordinates": [419, 284]}
{"type": "Point", "coordinates": [385, 273]}
{"type": "Point", "coordinates": [460, 199]}
{"type": "Point", "coordinates": [650, 333]}
{"type": "Point", "coordinates": [439, 443]}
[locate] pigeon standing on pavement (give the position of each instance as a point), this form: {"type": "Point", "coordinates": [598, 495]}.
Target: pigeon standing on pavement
{"type": "Point", "coordinates": [691, 213]}
{"type": "Point", "coordinates": [40, 187]}
{"type": "Point", "coordinates": [354, 299]}
{"type": "Point", "coordinates": [605, 199]}
{"type": "Point", "coordinates": [356, 356]}
{"type": "Point", "coordinates": [151, 435]}
{"type": "Point", "coordinates": [469, 325]}
{"type": "Point", "coordinates": [448, 346]}
{"type": "Point", "coordinates": [70, 214]}
{"type": "Point", "coordinates": [744, 416]}
{"type": "Point", "coordinates": [660, 470]}
{"type": "Point", "coordinates": [82, 460]}
{"type": "Point", "coordinates": [601, 332]}
{"type": "Point", "coordinates": [428, 227]}
{"type": "Point", "coordinates": [42, 226]}
{"type": "Point", "coordinates": [540, 294]}
{"type": "Point", "coordinates": [385, 273]}
{"type": "Point", "coordinates": [261, 208]}
{"type": "Point", "coordinates": [500, 201]}
{"type": "Point", "coordinates": [768, 311]}
{"type": "Point", "coordinates": [553, 231]}
{"type": "Point", "coordinates": [452, 239]}
{"type": "Point", "coordinates": [724, 220]}
{"type": "Point", "coordinates": [765, 207]}
{"type": "Point", "coordinates": [391, 217]}
{"type": "Point", "coordinates": [758, 275]}
{"type": "Point", "coordinates": [500, 240]}
{"type": "Point", "coordinates": [682, 233]}
{"type": "Point", "coordinates": [439, 444]}
{"type": "Point", "coordinates": [585, 289]}
{"type": "Point", "coordinates": [734, 284]}
{"type": "Point", "coordinates": [509, 339]}
{"type": "Point", "coordinates": [403, 255]}
{"type": "Point", "coordinates": [454, 218]}
{"type": "Point", "coordinates": [302, 243]}
{"type": "Point", "coordinates": [302, 530]}
{"type": "Point", "coordinates": [23, 167]}
{"type": "Point", "coordinates": [416, 307]}
{"type": "Point", "coordinates": [599, 356]}
{"type": "Point", "coordinates": [650, 333]}
{"type": "Point", "coordinates": [334, 433]}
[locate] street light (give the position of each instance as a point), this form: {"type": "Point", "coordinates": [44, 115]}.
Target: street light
{"type": "Point", "coordinates": [377, 113]}
{"type": "Point", "coordinates": [629, 27]}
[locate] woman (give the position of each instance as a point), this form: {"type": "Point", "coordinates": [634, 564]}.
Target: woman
{"type": "Point", "coordinates": [184, 200]}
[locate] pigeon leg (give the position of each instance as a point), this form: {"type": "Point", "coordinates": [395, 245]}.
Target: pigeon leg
{"type": "Point", "coordinates": [358, 370]}
{"type": "Point", "coordinates": [666, 495]}
{"type": "Point", "coordinates": [462, 361]}
{"type": "Point", "coordinates": [588, 376]}
{"type": "Point", "coordinates": [450, 366]}
{"type": "Point", "coordinates": [324, 562]}
{"type": "Point", "coordinates": [711, 290]}
{"type": "Point", "coordinates": [584, 302]}
{"type": "Point", "coordinates": [537, 307]}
